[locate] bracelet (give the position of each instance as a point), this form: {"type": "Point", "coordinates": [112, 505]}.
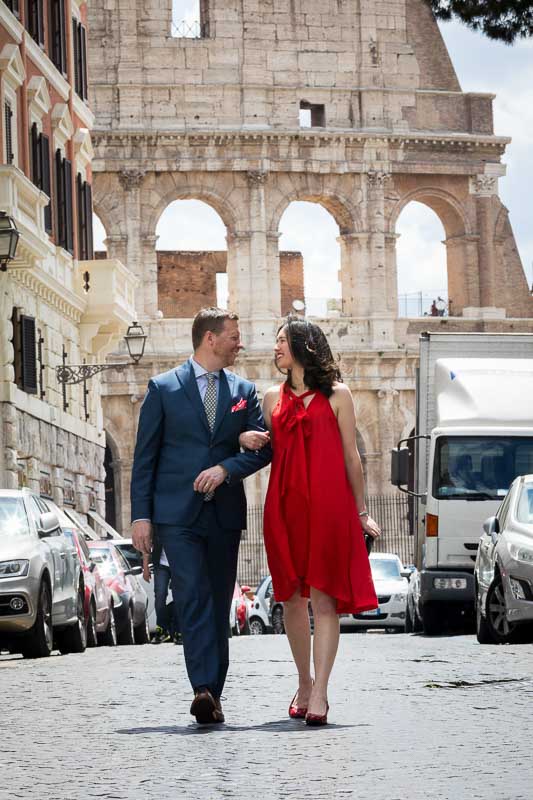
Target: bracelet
{"type": "Point", "coordinates": [364, 514]}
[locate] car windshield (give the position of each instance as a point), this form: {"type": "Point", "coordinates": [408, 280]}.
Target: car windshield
{"type": "Point", "coordinates": [13, 517]}
{"type": "Point", "coordinates": [385, 568]}
{"type": "Point", "coordinates": [479, 467]}
{"type": "Point", "coordinates": [105, 561]}
{"type": "Point", "coordinates": [524, 508]}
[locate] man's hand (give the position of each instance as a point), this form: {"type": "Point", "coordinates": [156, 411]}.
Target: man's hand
{"type": "Point", "coordinates": [254, 440]}
{"type": "Point", "coordinates": [210, 479]}
{"type": "Point", "coordinates": [141, 535]}
{"type": "Point", "coordinates": [147, 575]}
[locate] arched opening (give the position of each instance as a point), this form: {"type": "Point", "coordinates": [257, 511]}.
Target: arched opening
{"type": "Point", "coordinates": [421, 263]}
{"type": "Point", "coordinates": [99, 237]}
{"type": "Point", "coordinates": [191, 259]}
{"type": "Point", "coordinates": [309, 264]}
{"type": "Point", "coordinates": [109, 487]}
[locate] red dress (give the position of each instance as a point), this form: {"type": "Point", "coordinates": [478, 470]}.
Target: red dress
{"type": "Point", "coordinates": [313, 534]}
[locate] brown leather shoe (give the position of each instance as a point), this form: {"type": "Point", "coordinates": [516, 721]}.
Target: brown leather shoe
{"type": "Point", "coordinates": [204, 707]}
{"type": "Point", "coordinates": [218, 714]}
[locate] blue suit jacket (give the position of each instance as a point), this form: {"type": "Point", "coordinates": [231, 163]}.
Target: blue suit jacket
{"type": "Point", "coordinates": [174, 444]}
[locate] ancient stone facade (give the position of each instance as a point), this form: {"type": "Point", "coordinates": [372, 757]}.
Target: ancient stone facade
{"type": "Point", "coordinates": [218, 119]}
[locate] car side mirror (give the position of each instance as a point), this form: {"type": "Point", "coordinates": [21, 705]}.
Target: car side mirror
{"type": "Point", "coordinates": [92, 566]}
{"type": "Point", "coordinates": [491, 526]}
{"type": "Point", "coordinates": [405, 573]}
{"type": "Point", "coordinates": [48, 524]}
{"type": "Point", "coordinates": [134, 571]}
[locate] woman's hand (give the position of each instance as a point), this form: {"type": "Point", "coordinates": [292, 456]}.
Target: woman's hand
{"type": "Point", "coordinates": [254, 440]}
{"type": "Point", "coordinates": [371, 527]}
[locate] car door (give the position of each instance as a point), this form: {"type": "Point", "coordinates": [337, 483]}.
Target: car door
{"type": "Point", "coordinates": [55, 546]}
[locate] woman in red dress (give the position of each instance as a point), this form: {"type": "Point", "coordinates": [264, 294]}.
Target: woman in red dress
{"type": "Point", "coordinates": [315, 512]}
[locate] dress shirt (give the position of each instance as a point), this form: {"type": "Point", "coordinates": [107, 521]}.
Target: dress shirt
{"type": "Point", "coordinates": [201, 381]}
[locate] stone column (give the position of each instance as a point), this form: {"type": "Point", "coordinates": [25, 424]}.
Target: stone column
{"type": "Point", "coordinates": [463, 273]}
{"type": "Point", "coordinates": [381, 319]}
{"type": "Point", "coordinates": [484, 187]}
{"type": "Point", "coordinates": [117, 247]}
{"type": "Point", "coordinates": [387, 439]}
{"type": "Point", "coordinates": [391, 273]}
{"type": "Point", "coordinates": [265, 294]}
{"type": "Point", "coordinates": [355, 274]}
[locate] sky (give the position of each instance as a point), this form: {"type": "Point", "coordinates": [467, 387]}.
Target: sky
{"type": "Point", "coordinates": [481, 65]}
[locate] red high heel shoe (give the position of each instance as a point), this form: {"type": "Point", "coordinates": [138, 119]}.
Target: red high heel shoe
{"type": "Point", "coordinates": [317, 719]}
{"type": "Point", "coordinates": [295, 711]}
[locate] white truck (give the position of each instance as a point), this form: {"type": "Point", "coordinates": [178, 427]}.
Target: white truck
{"type": "Point", "coordinates": [473, 436]}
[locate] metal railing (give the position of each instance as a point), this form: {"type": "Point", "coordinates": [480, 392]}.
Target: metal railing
{"type": "Point", "coordinates": [187, 29]}
{"type": "Point", "coordinates": [391, 512]}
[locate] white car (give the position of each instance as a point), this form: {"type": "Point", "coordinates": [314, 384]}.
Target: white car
{"type": "Point", "coordinates": [390, 581]}
{"type": "Point", "coordinates": [504, 569]}
{"type": "Point", "coordinates": [258, 608]}
{"type": "Point", "coordinates": [134, 559]}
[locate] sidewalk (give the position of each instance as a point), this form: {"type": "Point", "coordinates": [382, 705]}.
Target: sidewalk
{"type": "Point", "coordinates": [411, 718]}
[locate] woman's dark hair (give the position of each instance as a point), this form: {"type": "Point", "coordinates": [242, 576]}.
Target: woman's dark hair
{"type": "Point", "coordinates": [310, 348]}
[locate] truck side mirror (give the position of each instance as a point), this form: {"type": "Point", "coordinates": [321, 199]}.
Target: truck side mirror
{"type": "Point", "coordinates": [399, 473]}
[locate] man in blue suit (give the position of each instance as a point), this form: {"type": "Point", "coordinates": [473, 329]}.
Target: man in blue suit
{"type": "Point", "coordinates": [187, 481]}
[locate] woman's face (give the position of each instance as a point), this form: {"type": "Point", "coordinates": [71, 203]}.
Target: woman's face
{"type": "Point", "coordinates": [282, 351]}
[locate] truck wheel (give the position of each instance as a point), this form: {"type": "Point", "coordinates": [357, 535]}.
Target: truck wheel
{"type": "Point", "coordinates": [39, 641]}
{"type": "Point", "coordinates": [501, 630]}
{"type": "Point", "coordinates": [431, 622]}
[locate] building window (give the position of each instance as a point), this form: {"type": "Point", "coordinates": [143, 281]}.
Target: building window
{"type": "Point", "coordinates": [312, 115]}
{"type": "Point", "coordinates": [79, 37]}
{"type": "Point", "coordinates": [40, 169]}
{"type": "Point", "coordinates": [14, 6]}
{"type": "Point", "coordinates": [190, 19]}
{"type": "Point", "coordinates": [35, 21]}
{"type": "Point", "coordinates": [85, 218]}
{"type": "Point", "coordinates": [57, 38]}
{"type": "Point", "coordinates": [63, 202]}
{"type": "Point", "coordinates": [25, 347]}
{"type": "Point", "coordinates": [8, 127]}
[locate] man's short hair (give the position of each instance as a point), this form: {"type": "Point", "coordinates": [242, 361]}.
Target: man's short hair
{"type": "Point", "coordinates": [209, 319]}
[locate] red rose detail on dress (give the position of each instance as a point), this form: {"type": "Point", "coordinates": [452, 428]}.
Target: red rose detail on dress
{"type": "Point", "coordinates": [240, 406]}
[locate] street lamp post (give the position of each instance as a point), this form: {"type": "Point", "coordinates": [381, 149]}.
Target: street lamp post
{"type": "Point", "coordinates": [135, 341]}
{"type": "Point", "coordinates": [9, 237]}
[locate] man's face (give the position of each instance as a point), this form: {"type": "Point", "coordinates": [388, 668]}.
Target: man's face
{"type": "Point", "coordinates": [227, 344]}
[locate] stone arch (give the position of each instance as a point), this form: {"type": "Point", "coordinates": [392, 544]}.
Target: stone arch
{"type": "Point", "coordinates": [343, 211]}
{"type": "Point", "coordinates": [461, 248]}
{"type": "Point", "coordinates": [114, 479]}
{"type": "Point", "coordinates": [108, 204]}
{"type": "Point", "coordinates": [219, 202]}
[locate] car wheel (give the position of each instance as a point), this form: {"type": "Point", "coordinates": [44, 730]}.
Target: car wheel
{"type": "Point", "coordinates": [92, 639]}
{"type": "Point", "coordinates": [409, 627]}
{"type": "Point", "coordinates": [109, 636]}
{"type": "Point", "coordinates": [257, 626]}
{"type": "Point", "coordinates": [500, 629]}
{"type": "Point", "coordinates": [417, 622]}
{"type": "Point", "coordinates": [38, 643]}
{"type": "Point", "coordinates": [483, 631]}
{"type": "Point", "coordinates": [142, 631]}
{"type": "Point", "coordinates": [277, 619]}
{"type": "Point", "coordinates": [431, 622]}
{"type": "Point", "coordinates": [127, 634]}
{"type": "Point", "coordinates": [74, 638]}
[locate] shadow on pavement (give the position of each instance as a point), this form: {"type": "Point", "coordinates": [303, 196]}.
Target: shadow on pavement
{"type": "Point", "coordinates": [277, 726]}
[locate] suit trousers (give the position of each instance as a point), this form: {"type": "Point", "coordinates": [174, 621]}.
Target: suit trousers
{"type": "Point", "coordinates": [203, 565]}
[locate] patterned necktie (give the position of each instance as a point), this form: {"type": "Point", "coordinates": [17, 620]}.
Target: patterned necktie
{"type": "Point", "coordinates": [210, 405]}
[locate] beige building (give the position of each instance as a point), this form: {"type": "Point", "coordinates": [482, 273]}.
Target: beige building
{"type": "Point", "coordinates": [353, 105]}
{"type": "Point", "coordinates": [57, 305]}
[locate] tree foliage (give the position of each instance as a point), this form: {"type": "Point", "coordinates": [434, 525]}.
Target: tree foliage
{"type": "Point", "coordinates": [505, 20]}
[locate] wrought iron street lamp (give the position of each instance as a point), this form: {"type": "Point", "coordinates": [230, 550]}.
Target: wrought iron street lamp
{"type": "Point", "coordinates": [9, 237]}
{"type": "Point", "coordinates": [135, 339]}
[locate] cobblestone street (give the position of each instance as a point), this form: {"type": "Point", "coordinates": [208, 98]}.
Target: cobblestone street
{"type": "Point", "coordinates": [411, 718]}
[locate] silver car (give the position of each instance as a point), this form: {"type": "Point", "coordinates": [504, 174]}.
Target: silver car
{"type": "Point", "coordinates": [504, 569]}
{"type": "Point", "coordinates": [390, 581]}
{"type": "Point", "coordinates": [41, 588]}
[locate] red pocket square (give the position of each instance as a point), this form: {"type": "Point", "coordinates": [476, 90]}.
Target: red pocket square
{"type": "Point", "coordinates": [240, 406]}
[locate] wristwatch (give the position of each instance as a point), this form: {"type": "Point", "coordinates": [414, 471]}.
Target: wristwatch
{"type": "Point", "coordinates": [364, 514]}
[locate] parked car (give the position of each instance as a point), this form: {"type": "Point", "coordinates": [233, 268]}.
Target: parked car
{"type": "Point", "coordinates": [391, 584]}
{"type": "Point", "coordinates": [238, 616]}
{"type": "Point", "coordinates": [99, 603]}
{"type": "Point", "coordinates": [134, 559]}
{"type": "Point", "coordinates": [276, 615]}
{"type": "Point", "coordinates": [41, 583]}
{"type": "Point", "coordinates": [503, 570]}
{"type": "Point", "coordinates": [131, 610]}
{"type": "Point", "coordinates": [259, 620]}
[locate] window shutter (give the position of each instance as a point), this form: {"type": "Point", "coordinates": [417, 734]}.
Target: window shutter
{"type": "Point", "coordinates": [83, 62]}
{"type": "Point", "coordinates": [69, 231]}
{"type": "Point", "coordinates": [8, 115]}
{"type": "Point", "coordinates": [46, 187]}
{"type": "Point", "coordinates": [60, 199]}
{"type": "Point", "coordinates": [58, 47]}
{"type": "Point", "coordinates": [76, 48]}
{"type": "Point", "coordinates": [82, 223]}
{"type": "Point", "coordinates": [89, 218]}
{"type": "Point", "coordinates": [29, 355]}
{"type": "Point", "coordinates": [35, 156]}
{"type": "Point", "coordinates": [14, 6]}
{"type": "Point", "coordinates": [35, 21]}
